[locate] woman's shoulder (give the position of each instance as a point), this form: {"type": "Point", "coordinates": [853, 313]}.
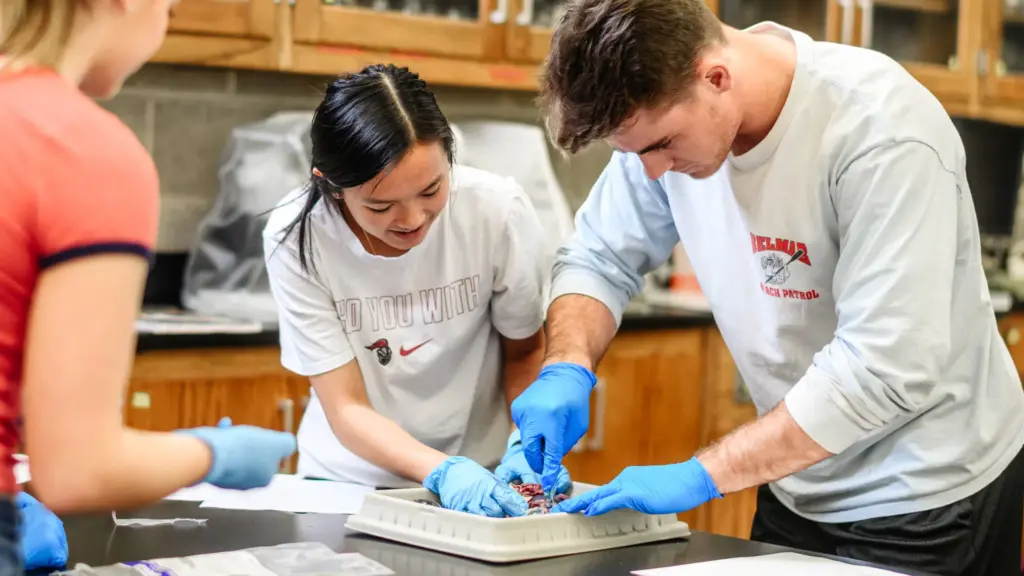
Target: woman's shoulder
{"type": "Point", "coordinates": [482, 195]}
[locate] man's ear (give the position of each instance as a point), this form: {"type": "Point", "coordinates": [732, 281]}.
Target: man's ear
{"type": "Point", "coordinates": [719, 77]}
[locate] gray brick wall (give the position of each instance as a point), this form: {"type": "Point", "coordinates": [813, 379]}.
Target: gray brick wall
{"type": "Point", "coordinates": [184, 116]}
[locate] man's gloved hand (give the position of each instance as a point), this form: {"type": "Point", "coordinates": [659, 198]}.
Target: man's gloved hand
{"type": "Point", "coordinates": [466, 486]}
{"type": "Point", "coordinates": [44, 544]}
{"type": "Point", "coordinates": [514, 467]}
{"type": "Point", "coordinates": [666, 489]}
{"type": "Point", "coordinates": [244, 457]}
{"type": "Point", "coordinates": [552, 415]}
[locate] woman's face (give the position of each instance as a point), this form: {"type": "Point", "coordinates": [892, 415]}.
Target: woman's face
{"type": "Point", "coordinates": [399, 205]}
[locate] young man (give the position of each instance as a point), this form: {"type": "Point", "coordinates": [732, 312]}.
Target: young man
{"type": "Point", "coordinates": [820, 194]}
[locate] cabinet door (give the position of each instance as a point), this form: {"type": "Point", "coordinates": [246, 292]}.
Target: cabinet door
{"type": "Point", "coordinates": [820, 19]}
{"type": "Point", "coordinates": [1003, 58]}
{"type": "Point", "coordinates": [467, 29]}
{"type": "Point", "coordinates": [726, 407]}
{"type": "Point", "coordinates": [241, 18]}
{"type": "Point", "coordinates": [530, 28]}
{"type": "Point", "coordinates": [188, 388]}
{"type": "Point", "coordinates": [931, 38]}
{"type": "Point", "coordinates": [646, 408]}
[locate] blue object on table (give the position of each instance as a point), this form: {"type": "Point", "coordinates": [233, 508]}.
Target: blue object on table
{"type": "Point", "coordinates": [244, 457]}
{"type": "Point", "coordinates": [43, 542]}
{"type": "Point", "coordinates": [466, 486]}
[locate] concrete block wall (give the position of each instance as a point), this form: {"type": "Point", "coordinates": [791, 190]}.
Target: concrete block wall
{"type": "Point", "coordinates": [184, 116]}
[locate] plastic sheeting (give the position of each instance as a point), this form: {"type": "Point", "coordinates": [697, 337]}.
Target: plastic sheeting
{"type": "Point", "coordinates": [262, 162]}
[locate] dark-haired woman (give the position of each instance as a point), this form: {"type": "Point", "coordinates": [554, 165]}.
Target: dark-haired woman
{"type": "Point", "coordinates": [411, 294]}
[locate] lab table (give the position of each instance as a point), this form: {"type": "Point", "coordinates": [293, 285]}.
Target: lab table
{"type": "Point", "coordinates": [94, 539]}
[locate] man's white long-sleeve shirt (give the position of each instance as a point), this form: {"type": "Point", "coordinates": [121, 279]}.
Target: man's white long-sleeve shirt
{"type": "Point", "coordinates": [842, 262]}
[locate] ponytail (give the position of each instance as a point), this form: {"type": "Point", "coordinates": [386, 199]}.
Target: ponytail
{"type": "Point", "coordinates": [36, 32]}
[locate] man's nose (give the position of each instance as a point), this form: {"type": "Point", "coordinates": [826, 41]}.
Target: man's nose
{"type": "Point", "coordinates": [655, 165]}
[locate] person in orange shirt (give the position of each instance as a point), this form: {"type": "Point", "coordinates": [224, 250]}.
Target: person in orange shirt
{"type": "Point", "coordinates": [80, 202]}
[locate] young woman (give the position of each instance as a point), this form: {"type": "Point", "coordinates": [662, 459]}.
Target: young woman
{"type": "Point", "coordinates": [78, 223]}
{"type": "Point", "coordinates": [410, 293]}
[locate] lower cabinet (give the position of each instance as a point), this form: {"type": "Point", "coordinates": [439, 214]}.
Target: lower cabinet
{"type": "Point", "coordinates": [187, 388]}
{"type": "Point", "coordinates": [660, 396]}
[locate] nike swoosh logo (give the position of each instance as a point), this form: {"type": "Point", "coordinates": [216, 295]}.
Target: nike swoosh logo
{"type": "Point", "coordinates": [404, 352]}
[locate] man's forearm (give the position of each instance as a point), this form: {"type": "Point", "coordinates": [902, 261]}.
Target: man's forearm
{"type": "Point", "coordinates": [772, 447]}
{"type": "Point", "coordinates": [579, 330]}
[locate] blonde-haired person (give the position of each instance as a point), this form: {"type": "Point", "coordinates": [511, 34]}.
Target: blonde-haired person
{"type": "Point", "coordinates": [78, 224]}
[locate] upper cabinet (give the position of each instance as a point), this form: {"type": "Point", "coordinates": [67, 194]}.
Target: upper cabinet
{"type": "Point", "coordinates": [1002, 59]}
{"type": "Point", "coordinates": [812, 17]}
{"type": "Point", "coordinates": [241, 18]}
{"type": "Point", "coordinates": [447, 28]}
{"type": "Point", "coordinates": [969, 53]}
{"type": "Point", "coordinates": [931, 38]}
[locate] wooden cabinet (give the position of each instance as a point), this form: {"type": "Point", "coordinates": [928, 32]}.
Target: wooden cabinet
{"type": "Point", "coordinates": [234, 18]}
{"type": "Point", "coordinates": [187, 388]}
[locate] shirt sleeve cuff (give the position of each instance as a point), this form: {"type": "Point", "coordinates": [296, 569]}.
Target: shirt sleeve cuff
{"type": "Point", "coordinates": [593, 285]}
{"type": "Point", "coordinates": [821, 411]}
{"type": "Point", "coordinates": [309, 368]}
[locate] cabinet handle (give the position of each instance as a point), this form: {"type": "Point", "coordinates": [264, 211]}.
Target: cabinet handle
{"type": "Point", "coordinates": [848, 15]}
{"type": "Point", "coordinates": [1013, 337]}
{"type": "Point", "coordinates": [525, 17]}
{"type": "Point", "coordinates": [500, 14]}
{"type": "Point", "coordinates": [287, 408]}
{"type": "Point", "coordinates": [867, 22]}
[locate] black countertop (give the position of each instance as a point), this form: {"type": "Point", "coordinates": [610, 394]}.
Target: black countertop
{"type": "Point", "coordinates": [97, 541]}
{"type": "Point", "coordinates": [634, 319]}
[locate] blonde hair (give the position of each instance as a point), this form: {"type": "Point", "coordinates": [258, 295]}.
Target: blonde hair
{"type": "Point", "coordinates": [36, 32]}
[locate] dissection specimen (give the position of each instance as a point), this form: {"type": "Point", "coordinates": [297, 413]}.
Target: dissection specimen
{"type": "Point", "coordinates": [537, 502]}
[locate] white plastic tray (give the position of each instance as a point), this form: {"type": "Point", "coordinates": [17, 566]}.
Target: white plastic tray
{"type": "Point", "coordinates": [394, 514]}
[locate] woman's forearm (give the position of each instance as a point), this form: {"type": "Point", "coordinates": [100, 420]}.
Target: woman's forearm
{"type": "Point", "coordinates": [126, 469]}
{"type": "Point", "coordinates": [382, 442]}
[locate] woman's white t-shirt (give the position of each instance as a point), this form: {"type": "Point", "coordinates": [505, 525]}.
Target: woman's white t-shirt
{"type": "Point", "coordinates": [424, 327]}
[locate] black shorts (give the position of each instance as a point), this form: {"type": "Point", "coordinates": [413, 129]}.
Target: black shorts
{"type": "Point", "coordinates": [977, 536]}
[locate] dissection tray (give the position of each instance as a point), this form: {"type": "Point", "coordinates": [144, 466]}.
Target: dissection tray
{"type": "Point", "coordinates": [395, 515]}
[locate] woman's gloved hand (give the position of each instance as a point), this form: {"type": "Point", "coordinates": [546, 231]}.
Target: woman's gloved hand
{"type": "Point", "coordinates": [515, 467]}
{"type": "Point", "coordinates": [44, 544]}
{"type": "Point", "coordinates": [466, 486]}
{"type": "Point", "coordinates": [244, 457]}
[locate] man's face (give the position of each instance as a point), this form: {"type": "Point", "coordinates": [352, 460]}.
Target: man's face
{"type": "Point", "coordinates": [691, 136]}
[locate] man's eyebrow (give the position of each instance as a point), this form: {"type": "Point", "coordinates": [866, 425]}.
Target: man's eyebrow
{"type": "Point", "coordinates": [433, 184]}
{"type": "Point", "coordinates": [659, 144]}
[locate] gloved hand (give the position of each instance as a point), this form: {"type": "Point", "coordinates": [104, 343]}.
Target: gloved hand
{"type": "Point", "coordinates": [514, 467]}
{"type": "Point", "coordinates": [44, 544]}
{"type": "Point", "coordinates": [244, 457]}
{"type": "Point", "coordinates": [466, 486]}
{"type": "Point", "coordinates": [552, 415]}
{"type": "Point", "coordinates": [666, 489]}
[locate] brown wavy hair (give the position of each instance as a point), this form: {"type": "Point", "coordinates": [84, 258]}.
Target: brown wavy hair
{"type": "Point", "coordinates": [609, 58]}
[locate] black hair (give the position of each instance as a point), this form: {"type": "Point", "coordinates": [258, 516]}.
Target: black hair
{"type": "Point", "coordinates": [365, 124]}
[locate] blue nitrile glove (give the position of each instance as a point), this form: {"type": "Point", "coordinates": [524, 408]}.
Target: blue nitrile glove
{"type": "Point", "coordinates": [552, 415]}
{"type": "Point", "coordinates": [514, 467]}
{"type": "Point", "coordinates": [466, 486]}
{"type": "Point", "coordinates": [668, 489]}
{"type": "Point", "coordinates": [44, 544]}
{"type": "Point", "coordinates": [244, 457]}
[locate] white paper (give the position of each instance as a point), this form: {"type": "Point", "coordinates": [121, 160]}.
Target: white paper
{"type": "Point", "coordinates": [196, 493]}
{"type": "Point", "coordinates": [218, 564]}
{"type": "Point", "coordinates": [289, 493]}
{"type": "Point", "coordinates": [784, 564]}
